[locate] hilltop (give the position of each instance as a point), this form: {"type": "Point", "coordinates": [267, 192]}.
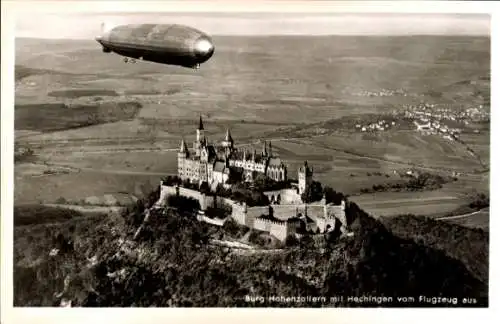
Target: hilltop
{"type": "Point", "coordinates": [175, 265]}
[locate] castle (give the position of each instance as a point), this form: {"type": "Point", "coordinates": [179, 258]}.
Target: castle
{"type": "Point", "coordinates": [287, 214]}
{"type": "Point", "coordinates": [217, 164]}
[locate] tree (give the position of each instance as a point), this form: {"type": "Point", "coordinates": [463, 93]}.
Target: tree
{"type": "Point", "coordinates": [291, 241]}
{"type": "Point", "coordinates": [307, 242]}
{"type": "Point", "coordinates": [313, 193]}
{"type": "Point", "coordinates": [480, 201]}
{"type": "Point", "coordinates": [260, 180]}
{"type": "Point", "coordinates": [185, 204]}
{"type": "Point", "coordinates": [331, 196]}
{"type": "Point", "coordinates": [205, 188]}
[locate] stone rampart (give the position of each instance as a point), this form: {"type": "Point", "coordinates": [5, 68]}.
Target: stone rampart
{"type": "Point", "coordinates": [323, 215]}
{"type": "Point", "coordinates": [204, 200]}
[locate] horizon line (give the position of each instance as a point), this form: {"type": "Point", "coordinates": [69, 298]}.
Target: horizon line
{"type": "Point", "coordinates": [288, 35]}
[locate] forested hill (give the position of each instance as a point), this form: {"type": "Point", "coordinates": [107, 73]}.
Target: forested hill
{"type": "Point", "coordinates": [174, 264]}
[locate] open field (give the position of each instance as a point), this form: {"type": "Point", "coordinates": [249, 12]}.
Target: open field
{"type": "Point", "coordinates": [251, 79]}
{"type": "Point", "coordinates": [77, 186]}
{"type": "Point", "coordinates": [99, 126]}
{"type": "Point", "coordinates": [417, 203]}
{"type": "Point", "coordinates": [53, 117]}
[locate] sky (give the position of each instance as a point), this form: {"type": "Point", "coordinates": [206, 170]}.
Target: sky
{"type": "Point", "coordinates": [87, 25]}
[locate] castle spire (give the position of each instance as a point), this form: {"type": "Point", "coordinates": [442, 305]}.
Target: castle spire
{"type": "Point", "coordinates": [270, 149]}
{"type": "Point", "coordinates": [200, 127]}
{"type": "Point", "coordinates": [264, 149]}
{"type": "Point", "coordinates": [183, 148]}
{"type": "Point", "coordinates": [228, 137]}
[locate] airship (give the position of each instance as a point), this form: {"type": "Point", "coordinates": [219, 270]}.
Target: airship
{"type": "Point", "coordinates": [170, 44]}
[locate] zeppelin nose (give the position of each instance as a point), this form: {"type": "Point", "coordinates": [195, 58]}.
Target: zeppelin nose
{"type": "Point", "coordinates": [102, 37]}
{"type": "Point", "coordinates": [203, 48]}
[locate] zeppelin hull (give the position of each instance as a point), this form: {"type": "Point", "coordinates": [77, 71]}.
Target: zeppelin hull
{"type": "Point", "coordinates": [166, 44]}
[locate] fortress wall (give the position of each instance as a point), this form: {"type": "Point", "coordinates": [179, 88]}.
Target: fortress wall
{"type": "Point", "coordinates": [225, 201]}
{"type": "Point", "coordinates": [164, 192]}
{"type": "Point", "coordinates": [205, 201]}
{"type": "Point", "coordinates": [323, 215]}
{"type": "Point", "coordinates": [338, 212]}
{"type": "Point", "coordinates": [262, 225]}
{"type": "Point", "coordinates": [280, 231]}
{"type": "Point", "coordinates": [287, 196]}
{"type": "Point", "coordinates": [285, 212]}
{"type": "Point", "coordinates": [257, 211]}
{"type": "Point", "coordinates": [216, 222]}
{"type": "Point", "coordinates": [290, 196]}
{"type": "Point", "coordinates": [239, 214]}
{"type": "Point", "coordinates": [190, 193]}
{"type": "Point", "coordinates": [254, 212]}
{"type": "Point", "coordinates": [316, 211]}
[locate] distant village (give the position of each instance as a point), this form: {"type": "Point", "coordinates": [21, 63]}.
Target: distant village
{"type": "Point", "coordinates": [430, 119]}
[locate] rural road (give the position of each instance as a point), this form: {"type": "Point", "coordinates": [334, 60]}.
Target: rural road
{"type": "Point", "coordinates": [87, 208]}
{"type": "Point", "coordinates": [99, 170]}
{"type": "Point", "coordinates": [462, 216]}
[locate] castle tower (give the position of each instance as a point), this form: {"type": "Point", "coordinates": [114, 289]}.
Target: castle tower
{"type": "Point", "coordinates": [305, 177]}
{"type": "Point", "coordinates": [181, 157]}
{"type": "Point", "coordinates": [270, 150]}
{"type": "Point", "coordinates": [227, 143]}
{"type": "Point", "coordinates": [200, 135]}
{"type": "Point", "coordinates": [264, 149]}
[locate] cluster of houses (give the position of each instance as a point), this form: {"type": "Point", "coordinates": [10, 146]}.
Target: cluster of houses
{"type": "Point", "coordinates": [380, 125]}
{"type": "Point", "coordinates": [381, 93]}
{"type": "Point", "coordinates": [445, 112]}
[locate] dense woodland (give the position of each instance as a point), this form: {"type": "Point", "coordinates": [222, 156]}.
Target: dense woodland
{"type": "Point", "coordinates": [173, 263]}
{"type": "Point", "coordinates": [421, 182]}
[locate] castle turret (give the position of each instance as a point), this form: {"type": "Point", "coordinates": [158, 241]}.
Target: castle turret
{"type": "Point", "coordinates": [264, 149]}
{"type": "Point", "coordinates": [228, 143]}
{"type": "Point", "coordinates": [270, 150]}
{"type": "Point", "coordinates": [183, 149]}
{"type": "Point", "coordinates": [181, 157]}
{"type": "Point", "coordinates": [200, 131]}
{"type": "Point", "coordinates": [200, 134]}
{"type": "Point", "coordinates": [305, 178]}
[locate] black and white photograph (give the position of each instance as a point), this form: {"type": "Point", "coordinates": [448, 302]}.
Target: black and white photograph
{"type": "Point", "coordinates": [207, 159]}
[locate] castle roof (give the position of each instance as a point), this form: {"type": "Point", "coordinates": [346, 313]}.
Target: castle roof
{"type": "Point", "coordinates": [211, 151]}
{"type": "Point", "coordinates": [219, 166]}
{"type": "Point", "coordinates": [275, 162]}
